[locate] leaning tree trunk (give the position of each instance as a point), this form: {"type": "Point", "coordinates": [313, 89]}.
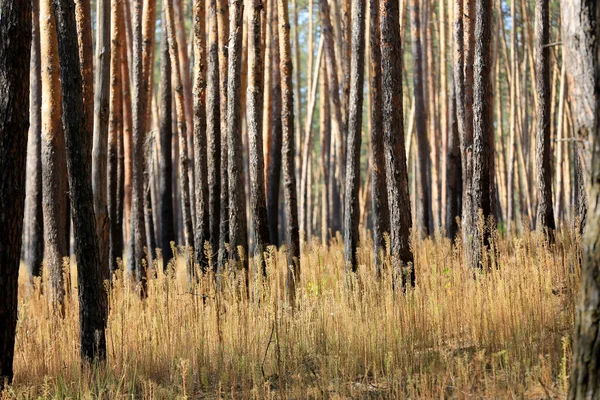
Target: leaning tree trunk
{"type": "Point", "coordinates": [379, 199]}
{"type": "Point", "coordinates": [93, 308]}
{"type": "Point", "coordinates": [54, 167]}
{"type": "Point", "coordinates": [100, 144]}
{"type": "Point", "coordinates": [202, 227]}
{"type": "Point", "coordinates": [287, 152]}
{"type": "Point", "coordinates": [357, 69]}
{"type": "Point", "coordinates": [393, 128]}
{"type": "Point", "coordinates": [545, 210]}
{"type": "Point", "coordinates": [33, 229]}
{"type": "Point", "coordinates": [213, 132]}
{"type": "Point", "coordinates": [238, 238]}
{"type": "Point", "coordinates": [258, 205]}
{"type": "Point", "coordinates": [15, 46]}
{"type": "Point", "coordinates": [483, 130]}
{"type": "Point", "coordinates": [581, 36]}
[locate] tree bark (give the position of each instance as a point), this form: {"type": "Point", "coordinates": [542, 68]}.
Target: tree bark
{"type": "Point", "coordinates": [202, 227]}
{"type": "Point", "coordinates": [287, 151]}
{"type": "Point", "coordinates": [54, 167]}
{"type": "Point", "coordinates": [395, 153]}
{"type": "Point", "coordinates": [423, 207]}
{"type": "Point", "coordinates": [581, 39]}
{"type": "Point", "coordinates": [351, 209]}
{"type": "Point", "coordinates": [93, 308]}
{"type": "Point", "coordinates": [545, 211]}
{"type": "Point", "coordinates": [483, 130]}
{"type": "Point", "coordinates": [223, 30]}
{"type": "Point", "coordinates": [33, 229]}
{"type": "Point", "coordinates": [15, 47]}
{"type": "Point", "coordinates": [83, 19]}
{"type": "Point", "coordinates": [258, 205]}
{"type": "Point", "coordinates": [453, 172]}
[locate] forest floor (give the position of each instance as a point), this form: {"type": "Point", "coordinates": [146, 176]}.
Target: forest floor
{"type": "Point", "coordinates": [504, 332]}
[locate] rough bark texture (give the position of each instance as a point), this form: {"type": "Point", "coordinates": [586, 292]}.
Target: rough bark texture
{"type": "Point", "coordinates": [15, 46]}
{"type": "Point", "coordinates": [423, 206]}
{"type": "Point", "coordinates": [545, 211]}
{"type": "Point", "coordinates": [238, 238]}
{"type": "Point", "coordinates": [83, 19]}
{"type": "Point", "coordinates": [213, 132]}
{"type": "Point", "coordinates": [351, 209]}
{"type": "Point", "coordinates": [287, 151]}
{"type": "Point", "coordinates": [223, 26]}
{"type": "Point", "coordinates": [453, 171]}
{"type": "Point", "coordinates": [136, 262]}
{"type": "Point", "coordinates": [92, 296]}
{"type": "Point", "coordinates": [483, 129]}
{"type": "Point", "coordinates": [33, 229]}
{"type": "Point", "coordinates": [54, 167]}
{"type": "Point", "coordinates": [379, 199]}
{"type": "Point", "coordinates": [393, 130]}
{"type": "Point", "coordinates": [165, 160]}
{"type": "Point", "coordinates": [100, 144]}
{"type": "Point", "coordinates": [115, 135]}
{"type": "Point", "coordinates": [581, 35]}
{"type": "Point", "coordinates": [258, 205]}
{"type": "Point", "coordinates": [184, 161]}
{"type": "Point", "coordinates": [202, 227]}
{"type": "Point", "coordinates": [274, 165]}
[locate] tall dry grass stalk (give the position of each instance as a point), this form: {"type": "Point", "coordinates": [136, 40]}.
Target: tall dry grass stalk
{"type": "Point", "coordinates": [502, 332]}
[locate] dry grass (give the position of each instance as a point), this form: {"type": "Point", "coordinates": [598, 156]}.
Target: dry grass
{"type": "Point", "coordinates": [501, 333]}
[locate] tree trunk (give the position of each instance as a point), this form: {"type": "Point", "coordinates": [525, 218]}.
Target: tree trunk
{"type": "Point", "coordinates": [287, 151]}
{"type": "Point", "coordinates": [394, 149]}
{"type": "Point", "coordinates": [202, 228]}
{"type": "Point", "coordinates": [33, 229]}
{"type": "Point", "coordinates": [258, 205]}
{"type": "Point", "coordinates": [351, 210]}
{"type": "Point", "coordinates": [54, 167]}
{"type": "Point", "coordinates": [453, 172]}
{"type": "Point", "coordinates": [184, 161]}
{"type": "Point", "coordinates": [379, 199]}
{"type": "Point", "coordinates": [545, 211]}
{"type": "Point", "coordinates": [15, 47]}
{"type": "Point", "coordinates": [83, 19]}
{"type": "Point", "coordinates": [274, 173]}
{"type": "Point", "coordinates": [213, 132]}
{"type": "Point", "coordinates": [325, 133]}
{"type": "Point", "coordinates": [581, 40]}
{"type": "Point", "coordinates": [223, 29]}
{"type": "Point", "coordinates": [483, 130]}
{"type": "Point", "coordinates": [423, 207]}
{"type": "Point", "coordinates": [93, 307]}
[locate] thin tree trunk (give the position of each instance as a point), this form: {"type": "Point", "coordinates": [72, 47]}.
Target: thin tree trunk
{"type": "Point", "coordinates": [379, 199]}
{"type": "Point", "coordinates": [325, 134]}
{"type": "Point", "coordinates": [127, 131]}
{"type": "Point", "coordinates": [351, 209]}
{"type": "Point", "coordinates": [33, 230]}
{"type": "Point", "coordinates": [483, 130]}
{"type": "Point", "coordinates": [93, 307]}
{"type": "Point", "coordinates": [258, 205]}
{"type": "Point", "coordinates": [453, 172]}
{"type": "Point", "coordinates": [202, 228]}
{"type": "Point", "coordinates": [287, 151]}
{"type": "Point", "coordinates": [223, 29]}
{"type": "Point", "coordinates": [15, 56]}
{"type": "Point", "coordinates": [54, 168]}
{"type": "Point", "coordinates": [394, 149]}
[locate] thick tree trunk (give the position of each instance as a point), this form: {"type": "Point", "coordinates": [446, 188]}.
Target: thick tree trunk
{"type": "Point", "coordinates": [83, 19]}
{"type": "Point", "coordinates": [184, 162]}
{"type": "Point", "coordinates": [202, 227]}
{"type": "Point", "coordinates": [213, 132]}
{"type": "Point", "coordinates": [100, 143]}
{"type": "Point", "coordinates": [274, 165]}
{"type": "Point", "coordinates": [287, 151]}
{"type": "Point", "coordinates": [483, 131]}
{"type": "Point", "coordinates": [424, 223]}
{"type": "Point", "coordinates": [33, 229]}
{"type": "Point", "coordinates": [15, 47]}
{"type": "Point", "coordinates": [357, 68]}
{"type": "Point", "coordinates": [545, 211]}
{"type": "Point", "coordinates": [54, 167]}
{"type": "Point", "coordinates": [581, 43]}
{"type": "Point", "coordinates": [379, 199]}
{"type": "Point", "coordinates": [393, 128]}
{"type": "Point", "coordinates": [258, 205]}
{"type": "Point", "coordinates": [93, 308]}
